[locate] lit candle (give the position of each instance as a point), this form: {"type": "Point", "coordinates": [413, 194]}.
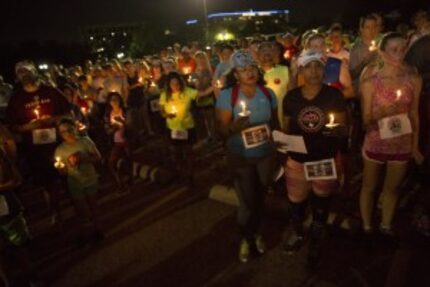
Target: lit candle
{"type": "Point", "coordinates": [84, 110]}
{"type": "Point", "coordinates": [37, 113]}
{"type": "Point", "coordinates": [218, 84]}
{"type": "Point", "coordinates": [153, 85]}
{"type": "Point", "coordinates": [186, 70]}
{"type": "Point", "coordinates": [140, 80]}
{"type": "Point", "coordinates": [398, 94]}
{"type": "Point", "coordinates": [174, 110]}
{"type": "Point", "coordinates": [331, 123]}
{"type": "Point", "coordinates": [58, 163]}
{"type": "Point", "coordinates": [372, 46]}
{"type": "Point", "coordinates": [287, 54]}
{"type": "Point", "coordinates": [244, 112]}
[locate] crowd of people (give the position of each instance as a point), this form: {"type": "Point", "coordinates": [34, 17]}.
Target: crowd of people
{"type": "Point", "coordinates": [328, 99]}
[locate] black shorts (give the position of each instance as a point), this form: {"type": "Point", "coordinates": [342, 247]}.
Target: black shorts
{"type": "Point", "coordinates": [192, 138]}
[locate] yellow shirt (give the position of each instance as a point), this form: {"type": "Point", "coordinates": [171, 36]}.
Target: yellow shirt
{"type": "Point", "coordinates": [180, 104]}
{"type": "Point", "coordinates": [277, 80]}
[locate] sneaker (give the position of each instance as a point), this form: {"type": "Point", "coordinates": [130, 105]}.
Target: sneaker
{"type": "Point", "coordinates": [244, 251]}
{"type": "Point", "coordinates": [293, 243]}
{"type": "Point", "coordinates": [259, 245]}
{"type": "Point", "coordinates": [386, 231]}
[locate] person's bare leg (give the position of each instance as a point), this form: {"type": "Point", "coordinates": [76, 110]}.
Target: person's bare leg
{"type": "Point", "coordinates": [396, 172]}
{"type": "Point", "coordinates": [371, 173]}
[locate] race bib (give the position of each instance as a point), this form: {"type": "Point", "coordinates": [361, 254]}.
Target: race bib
{"type": "Point", "coordinates": [320, 170]}
{"type": "Point", "coordinates": [154, 105]}
{"type": "Point", "coordinates": [395, 126]}
{"type": "Point", "coordinates": [44, 136]}
{"type": "Point", "coordinates": [256, 136]}
{"type": "Point", "coordinates": [179, 134]}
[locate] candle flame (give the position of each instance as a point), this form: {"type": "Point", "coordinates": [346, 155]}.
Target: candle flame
{"type": "Point", "coordinates": [398, 94]}
{"type": "Point", "coordinates": [331, 116]}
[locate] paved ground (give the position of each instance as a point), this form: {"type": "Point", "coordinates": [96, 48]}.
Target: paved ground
{"type": "Point", "coordinates": [173, 235]}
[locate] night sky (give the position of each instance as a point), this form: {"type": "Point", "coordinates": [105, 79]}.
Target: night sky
{"type": "Point", "coordinates": [61, 20]}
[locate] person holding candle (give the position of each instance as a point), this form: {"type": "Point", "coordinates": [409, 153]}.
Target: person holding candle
{"type": "Point", "coordinates": [38, 133]}
{"type": "Point", "coordinates": [205, 104]}
{"type": "Point", "coordinates": [316, 112]}
{"type": "Point", "coordinates": [175, 107]}
{"type": "Point", "coordinates": [246, 113]}
{"type": "Point", "coordinates": [362, 52]}
{"type": "Point", "coordinates": [186, 64]}
{"type": "Point", "coordinates": [277, 77]}
{"type": "Point", "coordinates": [115, 125]}
{"type": "Point", "coordinates": [76, 158]}
{"type": "Point", "coordinates": [391, 88]}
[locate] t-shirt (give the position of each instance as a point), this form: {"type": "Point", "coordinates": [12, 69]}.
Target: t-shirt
{"type": "Point", "coordinates": [221, 70]}
{"type": "Point", "coordinates": [343, 54]}
{"type": "Point", "coordinates": [187, 67]}
{"type": "Point", "coordinates": [22, 106]}
{"type": "Point", "coordinates": [277, 80]}
{"type": "Point", "coordinates": [308, 119]}
{"type": "Point", "coordinates": [261, 112]}
{"type": "Point", "coordinates": [179, 103]}
{"type": "Point", "coordinates": [84, 174]}
{"type": "Point", "coordinates": [204, 81]}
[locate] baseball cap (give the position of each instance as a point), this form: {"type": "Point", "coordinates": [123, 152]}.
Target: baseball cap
{"type": "Point", "coordinates": [308, 56]}
{"type": "Point", "coordinates": [241, 59]}
{"type": "Point", "coordinates": [25, 65]}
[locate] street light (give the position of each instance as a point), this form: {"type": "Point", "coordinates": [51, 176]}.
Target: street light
{"type": "Point", "coordinates": [205, 10]}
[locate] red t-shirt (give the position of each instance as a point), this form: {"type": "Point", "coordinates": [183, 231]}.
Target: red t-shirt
{"type": "Point", "coordinates": [46, 100]}
{"type": "Point", "coordinates": [187, 67]}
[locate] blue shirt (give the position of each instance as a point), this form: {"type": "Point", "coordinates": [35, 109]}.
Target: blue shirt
{"type": "Point", "coordinates": [261, 112]}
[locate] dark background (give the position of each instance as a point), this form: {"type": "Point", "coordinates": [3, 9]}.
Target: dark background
{"type": "Point", "coordinates": [52, 29]}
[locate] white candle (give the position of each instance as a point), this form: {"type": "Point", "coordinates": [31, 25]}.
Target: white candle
{"type": "Point", "coordinates": [398, 94]}
{"type": "Point", "coordinates": [174, 110]}
{"type": "Point", "coordinates": [331, 123]}
{"type": "Point", "coordinates": [218, 84]}
{"type": "Point", "coordinates": [372, 46]}
{"type": "Point", "coordinates": [244, 112]}
{"type": "Point", "coordinates": [58, 163]}
{"type": "Point", "coordinates": [37, 113]}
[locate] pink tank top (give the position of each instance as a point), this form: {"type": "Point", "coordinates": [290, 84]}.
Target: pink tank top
{"type": "Point", "coordinates": [384, 97]}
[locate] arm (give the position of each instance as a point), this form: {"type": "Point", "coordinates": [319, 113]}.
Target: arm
{"type": "Point", "coordinates": [346, 81]}
{"type": "Point", "coordinates": [414, 115]}
{"type": "Point", "coordinates": [224, 119]}
{"type": "Point", "coordinates": [367, 90]}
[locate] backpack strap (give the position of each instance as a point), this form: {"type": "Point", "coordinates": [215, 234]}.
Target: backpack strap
{"type": "Point", "coordinates": [234, 95]}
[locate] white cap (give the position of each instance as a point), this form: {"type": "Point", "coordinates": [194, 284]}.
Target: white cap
{"type": "Point", "coordinates": [308, 56]}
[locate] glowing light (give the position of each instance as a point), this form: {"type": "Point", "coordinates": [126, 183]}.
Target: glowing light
{"type": "Point", "coordinates": [331, 123]}
{"type": "Point", "coordinates": [120, 55]}
{"type": "Point", "coordinates": [224, 36]}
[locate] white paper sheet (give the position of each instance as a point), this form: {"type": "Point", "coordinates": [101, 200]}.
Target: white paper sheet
{"type": "Point", "coordinates": [395, 126]}
{"type": "Point", "coordinates": [290, 142]}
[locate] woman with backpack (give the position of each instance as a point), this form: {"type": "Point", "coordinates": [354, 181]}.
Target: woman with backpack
{"type": "Point", "coordinates": [246, 114]}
